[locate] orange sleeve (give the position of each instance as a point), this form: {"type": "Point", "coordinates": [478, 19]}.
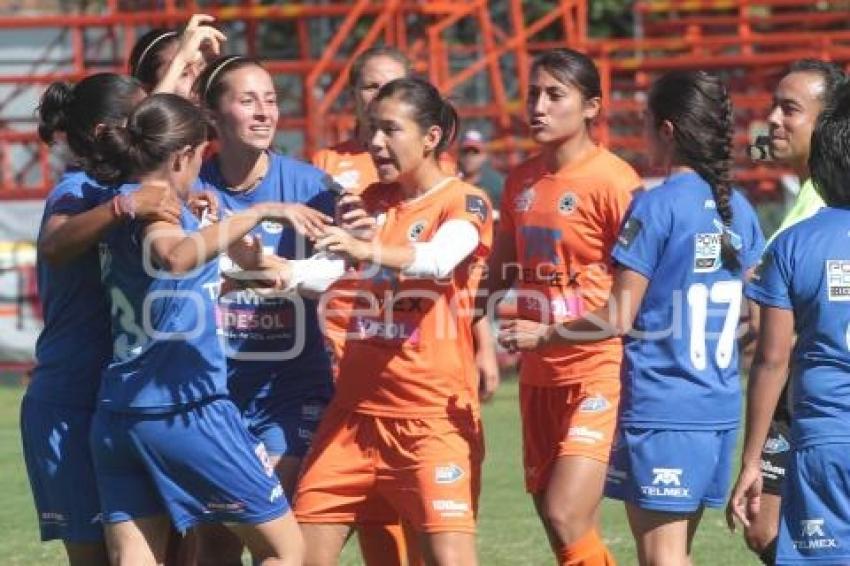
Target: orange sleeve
{"type": "Point", "coordinates": [320, 159]}
{"type": "Point", "coordinates": [506, 208]}
{"type": "Point", "coordinates": [471, 204]}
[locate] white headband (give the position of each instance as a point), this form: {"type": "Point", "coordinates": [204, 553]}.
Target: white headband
{"type": "Point", "coordinates": [217, 70]}
{"type": "Point", "coordinates": [150, 46]}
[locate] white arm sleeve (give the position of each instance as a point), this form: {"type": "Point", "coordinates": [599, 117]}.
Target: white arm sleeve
{"type": "Point", "coordinates": [452, 244]}
{"type": "Point", "coordinates": [315, 274]}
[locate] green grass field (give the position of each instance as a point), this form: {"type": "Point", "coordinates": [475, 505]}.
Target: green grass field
{"type": "Point", "coordinates": [509, 534]}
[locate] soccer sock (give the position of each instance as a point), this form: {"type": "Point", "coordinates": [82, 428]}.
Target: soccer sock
{"type": "Point", "coordinates": [768, 555]}
{"type": "Point", "coordinates": [589, 550]}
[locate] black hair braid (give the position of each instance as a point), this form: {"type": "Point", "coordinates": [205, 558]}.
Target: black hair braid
{"type": "Point", "coordinates": [719, 175]}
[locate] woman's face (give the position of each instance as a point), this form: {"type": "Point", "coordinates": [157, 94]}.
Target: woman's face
{"type": "Point", "coordinates": [246, 114]}
{"type": "Point", "coordinates": [377, 72]}
{"type": "Point", "coordinates": [398, 144]}
{"type": "Point", "coordinates": [557, 111]}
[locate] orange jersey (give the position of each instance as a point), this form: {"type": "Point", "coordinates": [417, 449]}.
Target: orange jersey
{"type": "Point", "coordinates": [409, 351]}
{"type": "Point", "coordinates": [349, 164]}
{"type": "Point", "coordinates": [564, 226]}
{"type": "Point", "coordinates": [352, 168]}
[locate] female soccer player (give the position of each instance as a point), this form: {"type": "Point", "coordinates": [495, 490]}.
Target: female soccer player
{"type": "Point", "coordinates": [802, 286]}
{"type": "Point", "coordinates": [165, 60]}
{"type": "Point", "coordinates": [402, 436]}
{"type": "Point", "coordinates": [165, 437]}
{"type": "Point", "coordinates": [682, 253]}
{"type": "Point", "coordinates": [278, 369]}
{"type": "Point", "coordinates": [73, 348]}
{"type": "Point", "coordinates": [560, 215]}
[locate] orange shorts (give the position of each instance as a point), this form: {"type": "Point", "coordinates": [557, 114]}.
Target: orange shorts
{"type": "Point", "coordinates": [364, 469]}
{"type": "Point", "coordinates": [567, 420]}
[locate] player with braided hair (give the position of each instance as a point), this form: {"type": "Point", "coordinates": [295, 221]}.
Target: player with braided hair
{"type": "Point", "coordinates": [683, 255]}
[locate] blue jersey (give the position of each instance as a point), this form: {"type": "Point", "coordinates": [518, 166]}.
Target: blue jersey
{"type": "Point", "coordinates": [74, 345]}
{"type": "Point", "coordinates": [266, 338]}
{"type": "Point", "coordinates": [166, 353]}
{"type": "Point", "coordinates": [807, 270]}
{"type": "Point", "coordinates": [680, 367]}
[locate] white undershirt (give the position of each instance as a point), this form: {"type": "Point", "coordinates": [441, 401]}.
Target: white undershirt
{"type": "Point", "coordinates": [453, 242]}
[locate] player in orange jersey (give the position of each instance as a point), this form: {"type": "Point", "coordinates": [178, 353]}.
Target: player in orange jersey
{"type": "Point", "coordinates": [560, 216]}
{"type": "Point", "coordinates": [402, 436]}
{"type": "Point", "coordinates": [351, 166]}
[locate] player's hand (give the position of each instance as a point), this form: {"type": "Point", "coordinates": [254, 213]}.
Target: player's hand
{"type": "Point", "coordinates": [524, 335]}
{"type": "Point", "coordinates": [154, 202]}
{"type": "Point", "coordinates": [200, 41]}
{"type": "Point", "coordinates": [337, 240]}
{"type": "Point", "coordinates": [204, 205]}
{"type": "Point", "coordinates": [352, 216]}
{"type": "Point", "coordinates": [268, 279]}
{"type": "Point", "coordinates": [305, 220]}
{"type": "Point", "coordinates": [745, 502]}
{"type": "Point", "coordinates": [247, 252]}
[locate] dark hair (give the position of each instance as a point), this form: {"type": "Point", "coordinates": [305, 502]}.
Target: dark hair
{"type": "Point", "coordinates": [831, 74]}
{"type": "Point", "coordinates": [571, 68]}
{"type": "Point", "coordinates": [356, 70]}
{"type": "Point", "coordinates": [700, 109]}
{"type": "Point", "coordinates": [829, 158]}
{"type": "Point", "coordinates": [429, 107]}
{"type": "Point", "coordinates": [156, 128]}
{"type": "Point", "coordinates": [104, 98]}
{"type": "Point", "coordinates": [145, 55]}
{"type": "Point", "coordinates": [209, 86]}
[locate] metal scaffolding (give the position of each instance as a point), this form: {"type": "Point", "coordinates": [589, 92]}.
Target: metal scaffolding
{"type": "Point", "coordinates": [476, 51]}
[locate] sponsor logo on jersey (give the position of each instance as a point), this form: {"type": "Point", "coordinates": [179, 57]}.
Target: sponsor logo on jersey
{"type": "Point", "coordinates": [450, 507]}
{"type": "Point", "coordinates": [666, 482]}
{"type": "Point", "coordinates": [416, 229]}
{"type": "Point", "coordinates": [595, 404]}
{"type": "Point", "coordinates": [272, 227]}
{"type": "Point", "coordinates": [770, 471]}
{"type": "Point", "coordinates": [813, 536]}
{"type": "Point", "coordinates": [630, 230]}
{"type": "Point", "coordinates": [52, 517]}
{"type": "Point", "coordinates": [838, 279]}
{"type": "Point", "coordinates": [476, 206]}
{"type": "Point", "coordinates": [524, 200]}
{"type": "Point", "coordinates": [568, 203]}
{"type": "Point", "coordinates": [707, 252]}
{"type": "Point", "coordinates": [225, 507]}
{"type": "Point", "coordinates": [449, 473]}
{"type": "Point", "coordinates": [585, 435]}
{"type": "Point", "coordinates": [776, 445]}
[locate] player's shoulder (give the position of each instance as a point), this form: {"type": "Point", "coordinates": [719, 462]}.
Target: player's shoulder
{"type": "Point", "coordinates": [525, 174]}
{"type": "Point", "coordinates": [615, 171]}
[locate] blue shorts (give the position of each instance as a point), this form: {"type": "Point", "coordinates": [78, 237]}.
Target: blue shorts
{"type": "Point", "coordinates": [59, 464]}
{"type": "Point", "coordinates": [674, 471]}
{"type": "Point", "coordinates": [198, 465]}
{"type": "Point", "coordinates": [815, 517]}
{"type": "Point", "coordinates": [286, 424]}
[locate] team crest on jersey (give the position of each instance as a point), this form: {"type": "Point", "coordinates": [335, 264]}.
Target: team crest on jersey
{"type": "Point", "coordinates": [416, 229]}
{"type": "Point", "coordinates": [568, 203]}
{"type": "Point", "coordinates": [838, 279]}
{"type": "Point", "coordinates": [524, 200]}
{"type": "Point", "coordinates": [272, 227]}
{"type": "Point", "coordinates": [776, 445]}
{"type": "Point", "coordinates": [707, 252]}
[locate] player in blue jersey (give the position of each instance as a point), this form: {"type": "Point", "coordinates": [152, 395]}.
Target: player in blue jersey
{"type": "Point", "coordinates": [803, 286]}
{"type": "Point", "coordinates": [73, 347]}
{"type": "Point", "coordinates": [683, 253]}
{"type": "Point", "coordinates": [279, 372]}
{"type": "Point", "coordinates": [166, 439]}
